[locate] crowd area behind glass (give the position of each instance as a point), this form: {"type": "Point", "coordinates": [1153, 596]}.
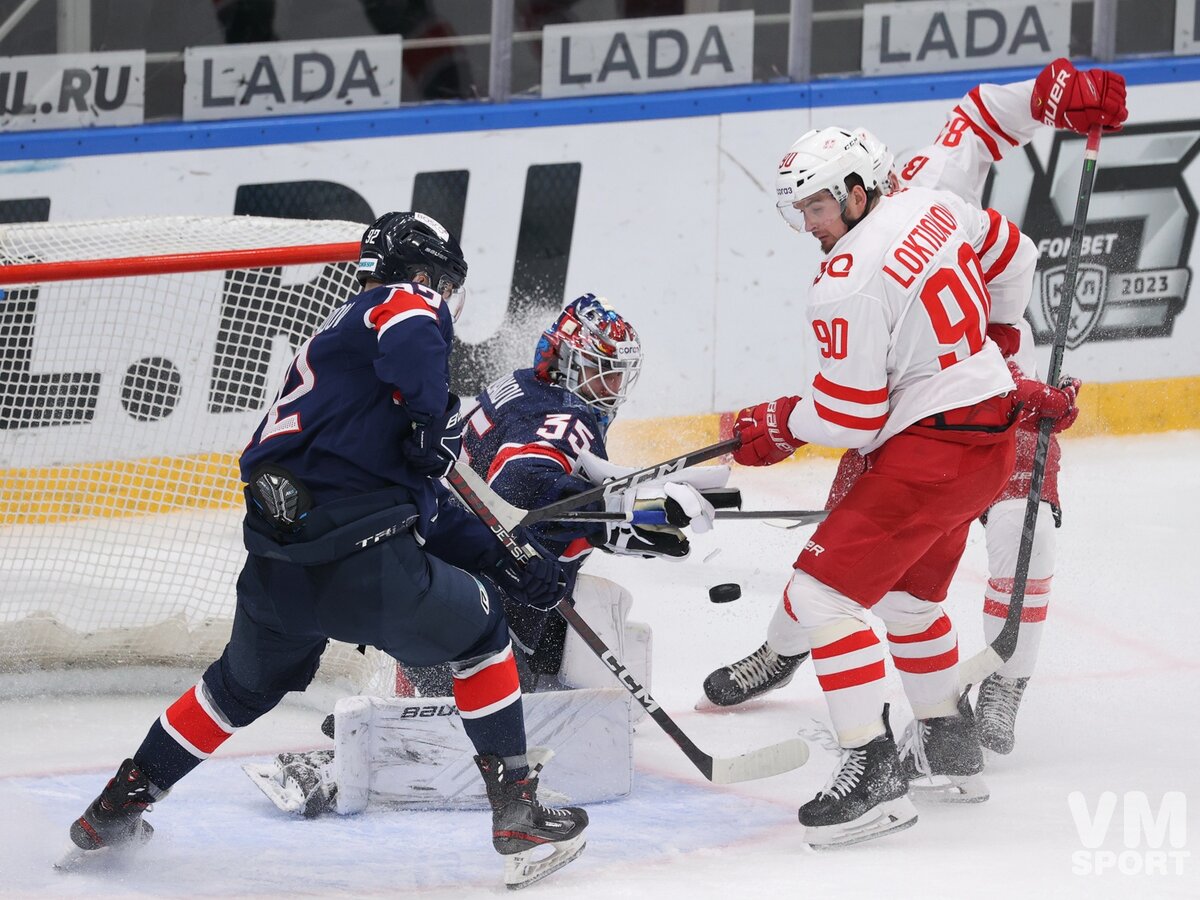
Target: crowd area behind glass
{"type": "Point", "coordinates": [448, 43]}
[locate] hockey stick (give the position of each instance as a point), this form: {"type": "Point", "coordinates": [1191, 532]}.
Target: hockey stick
{"type": "Point", "coordinates": [501, 517]}
{"type": "Point", "coordinates": [659, 517]}
{"type": "Point", "coordinates": [616, 485]}
{"type": "Point", "coordinates": [991, 658]}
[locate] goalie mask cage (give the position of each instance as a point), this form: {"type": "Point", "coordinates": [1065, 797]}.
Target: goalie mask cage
{"type": "Point", "coordinates": [136, 359]}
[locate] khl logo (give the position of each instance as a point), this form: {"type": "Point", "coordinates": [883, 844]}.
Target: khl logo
{"type": "Point", "coordinates": [1145, 833]}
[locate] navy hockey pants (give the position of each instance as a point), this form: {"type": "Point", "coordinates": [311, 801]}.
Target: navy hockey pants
{"type": "Point", "coordinates": [392, 595]}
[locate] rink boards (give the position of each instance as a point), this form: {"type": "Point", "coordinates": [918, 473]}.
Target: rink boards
{"type": "Point", "coordinates": [663, 203]}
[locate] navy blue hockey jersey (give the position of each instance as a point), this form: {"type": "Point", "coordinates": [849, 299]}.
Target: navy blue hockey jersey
{"type": "Point", "coordinates": [525, 439]}
{"type": "Point", "coordinates": [349, 398]}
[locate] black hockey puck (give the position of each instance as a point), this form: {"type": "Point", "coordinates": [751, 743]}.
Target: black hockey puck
{"type": "Point", "coordinates": [724, 593]}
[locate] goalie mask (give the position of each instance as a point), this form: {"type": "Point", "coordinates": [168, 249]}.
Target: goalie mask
{"type": "Point", "coordinates": [821, 160]}
{"type": "Point", "coordinates": [402, 246]}
{"type": "Point", "coordinates": [592, 352]}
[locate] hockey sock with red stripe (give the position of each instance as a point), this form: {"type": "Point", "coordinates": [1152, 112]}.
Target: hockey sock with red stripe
{"type": "Point", "coordinates": [487, 692]}
{"type": "Point", "coordinates": [191, 729]}
{"type": "Point", "coordinates": [924, 648]}
{"type": "Point", "coordinates": [850, 671]}
{"type": "Point", "coordinates": [1033, 621]}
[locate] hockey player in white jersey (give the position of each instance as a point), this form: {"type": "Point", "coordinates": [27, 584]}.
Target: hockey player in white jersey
{"type": "Point", "coordinates": [898, 315]}
{"type": "Point", "coordinates": [988, 121]}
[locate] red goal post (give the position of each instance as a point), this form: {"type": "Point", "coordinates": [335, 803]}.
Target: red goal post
{"type": "Point", "coordinates": [136, 358]}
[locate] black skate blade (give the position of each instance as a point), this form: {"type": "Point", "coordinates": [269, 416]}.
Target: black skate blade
{"type": "Point", "coordinates": [887, 818]}
{"type": "Point", "coordinates": [521, 870]}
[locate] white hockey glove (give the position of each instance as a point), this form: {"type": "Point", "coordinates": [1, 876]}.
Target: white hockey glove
{"type": "Point", "coordinates": [682, 504]}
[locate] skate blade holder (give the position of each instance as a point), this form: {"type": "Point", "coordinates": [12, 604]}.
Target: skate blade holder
{"type": "Point", "coordinates": [531, 866]}
{"type": "Point", "coordinates": [887, 818]}
{"type": "Point", "coordinates": [949, 789]}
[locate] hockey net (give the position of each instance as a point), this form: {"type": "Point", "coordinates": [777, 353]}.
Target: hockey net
{"type": "Point", "coordinates": [136, 359]}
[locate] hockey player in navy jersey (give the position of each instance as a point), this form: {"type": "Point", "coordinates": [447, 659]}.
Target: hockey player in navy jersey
{"type": "Point", "coordinates": [352, 537]}
{"type": "Point", "coordinates": [534, 436]}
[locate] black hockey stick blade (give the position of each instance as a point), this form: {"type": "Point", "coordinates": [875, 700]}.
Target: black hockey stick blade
{"type": "Point", "coordinates": [988, 660]}
{"type": "Point", "coordinates": [501, 517]}
{"type": "Point", "coordinates": [617, 485]}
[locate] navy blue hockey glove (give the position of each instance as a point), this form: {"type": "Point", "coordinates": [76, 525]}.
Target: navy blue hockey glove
{"type": "Point", "coordinates": [433, 445]}
{"type": "Point", "coordinates": [539, 583]}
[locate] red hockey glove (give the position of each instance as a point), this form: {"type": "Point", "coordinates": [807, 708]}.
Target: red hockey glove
{"type": "Point", "coordinates": [1006, 337]}
{"type": "Point", "coordinates": [764, 433]}
{"type": "Point", "coordinates": [1064, 97]}
{"type": "Point", "coordinates": [1041, 401]}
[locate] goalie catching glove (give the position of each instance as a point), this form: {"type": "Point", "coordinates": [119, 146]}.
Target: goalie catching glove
{"type": "Point", "coordinates": [683, 505]}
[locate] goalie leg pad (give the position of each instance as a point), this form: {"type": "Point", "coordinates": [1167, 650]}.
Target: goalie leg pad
{"type": "Point", "coordinates": [605, 606]}
{"type": "Point", "coordinates": [415, 753]}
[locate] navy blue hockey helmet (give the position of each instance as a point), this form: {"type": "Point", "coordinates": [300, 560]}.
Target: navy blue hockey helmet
{"type": "Point", "coordinates": [399, 245]}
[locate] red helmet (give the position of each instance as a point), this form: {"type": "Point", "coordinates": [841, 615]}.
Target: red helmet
{"type": "Point", "coordinates": [592, 352]}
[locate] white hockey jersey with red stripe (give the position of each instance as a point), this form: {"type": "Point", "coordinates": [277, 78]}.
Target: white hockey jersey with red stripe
{"type": "Point", "coordinates": [985, 124]}
{"type": "Point", "coordinates": [988, 122]}
{"type": "Point", "coordinates": [898, 318]}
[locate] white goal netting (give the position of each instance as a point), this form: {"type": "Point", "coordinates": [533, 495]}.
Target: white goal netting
{"type": "Point", "coordinates": [126, 394]}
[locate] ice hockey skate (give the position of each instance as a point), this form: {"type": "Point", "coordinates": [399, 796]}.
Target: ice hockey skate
{"type": "Point", "coordinates": [763, 670]}
{"type": "Point", "coordinates": [113, 821]}
{"type": "Point", "coordinates": [866, 797]}
{"type": "Point", "coordinates": [996, 711]}
{"type": "Point", "coordinates": [942, 758]}
{"type": "Point", "coordinates": [299, 783]}
{"type": "Point", "coordinates": [520, 824]}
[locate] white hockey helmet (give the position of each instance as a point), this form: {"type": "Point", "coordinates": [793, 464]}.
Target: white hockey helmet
{"type": "Point", "coordinates": [882, 160]}
{"type": "Point", "coordinates": [820, 161]}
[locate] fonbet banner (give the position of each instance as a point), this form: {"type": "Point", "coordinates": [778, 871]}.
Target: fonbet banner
{"type": "Point", "coordinates": [72, 90]}
{"type": "Point", "coordinates": [712, 278]}
{"type": "Point", "coordinates": [639, 55]}
{"type": "Point", "coordinates": [291, 78]}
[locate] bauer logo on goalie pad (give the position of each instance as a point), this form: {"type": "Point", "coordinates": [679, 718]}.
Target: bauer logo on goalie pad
{"type": "Point", "coordinates": [426, 712]}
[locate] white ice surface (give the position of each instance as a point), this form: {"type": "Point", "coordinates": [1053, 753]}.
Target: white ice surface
{"type": "Point", "coordinates": [1112, 708]}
